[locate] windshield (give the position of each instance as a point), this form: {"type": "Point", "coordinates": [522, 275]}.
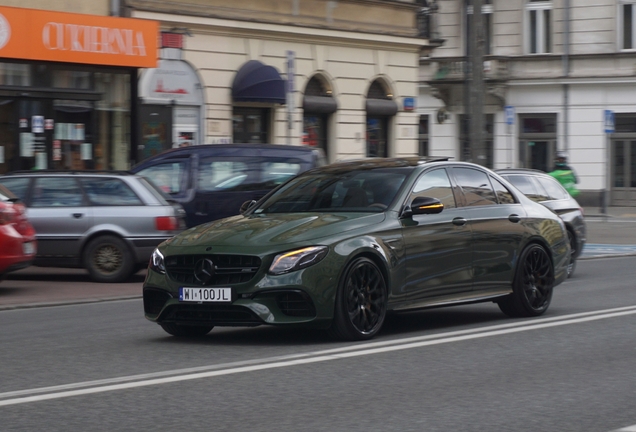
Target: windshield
{"type": "Point", "coordinates": [367, 190]}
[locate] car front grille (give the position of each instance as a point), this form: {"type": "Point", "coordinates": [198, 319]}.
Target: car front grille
{"type": "Point", "coordinates": [228, 269]}
{"type": "Point", "coordinates": [218, 315]}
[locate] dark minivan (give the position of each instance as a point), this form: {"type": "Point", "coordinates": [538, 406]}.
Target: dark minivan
{"type": "Point", "coordinates": [212, 181]}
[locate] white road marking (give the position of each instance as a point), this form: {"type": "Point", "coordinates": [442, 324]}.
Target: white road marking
{"type": "Point", "coordinates": [626, 429]}
{"type": "Point", "coordinates": [144, 380]}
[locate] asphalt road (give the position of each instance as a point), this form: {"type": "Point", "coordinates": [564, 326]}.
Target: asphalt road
{"type": "Point", "coordinates": [103, 367]}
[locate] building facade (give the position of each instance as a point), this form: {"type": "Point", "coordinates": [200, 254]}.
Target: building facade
{"type": "Point", "coordinates": [337, 75]}
{"type": "Point", "coordinates": [68, 84]}
{"type": "Point", "coordinates": [552, 69]}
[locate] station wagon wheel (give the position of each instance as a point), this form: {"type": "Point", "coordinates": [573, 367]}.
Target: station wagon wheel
{"type": "Point", "coordinates": [533, 283]}
{"type": "Point", "coordinates": [108, 259]}
{"type": "Point", "coordinates": [186, 330]}
{"type": "Point", "coordinates": [572, 263]}
{"type": "Point", "coordinates": [360, 306]}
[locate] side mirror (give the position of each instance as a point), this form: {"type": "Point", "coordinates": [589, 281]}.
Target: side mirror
{"type": "Point", "coordinates": [246, 206]}
{"type": "Point", "coordinates": [426, 205]}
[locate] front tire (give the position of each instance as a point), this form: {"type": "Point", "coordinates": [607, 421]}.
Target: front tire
{"type": "Point", "coordinates": [108, 259]}
{"type": "Point", "coordinates": [361, 302]}
{"type": "Point", "coordinates": [185, 330]}
{"type": "Point", "coordinates": [533, 284]}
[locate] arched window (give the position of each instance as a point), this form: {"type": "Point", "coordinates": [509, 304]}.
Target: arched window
{"type": "Point", "coordinates": [380, 107]}
{"type": "Point", "coordinates": [318, 105]}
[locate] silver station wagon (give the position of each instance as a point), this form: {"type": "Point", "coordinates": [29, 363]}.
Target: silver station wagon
{"type": "Point", "coordinates": [106, 222]}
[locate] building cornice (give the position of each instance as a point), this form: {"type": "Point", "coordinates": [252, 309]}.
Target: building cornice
{"type": "Point", "coordinates": [282, 31]}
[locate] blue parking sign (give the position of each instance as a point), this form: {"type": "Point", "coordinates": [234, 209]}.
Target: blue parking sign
{"type": "Point", "coordinates": [510, 115]}
{"type": "Point", "coordinates": [609, 121]}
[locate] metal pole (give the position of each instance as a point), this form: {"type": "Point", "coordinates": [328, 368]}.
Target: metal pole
{"type": "Point", "coordinates": [477, 85]}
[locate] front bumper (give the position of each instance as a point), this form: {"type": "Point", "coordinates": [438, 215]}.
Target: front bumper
{"type": "Point", "coordinates": [304, 297]}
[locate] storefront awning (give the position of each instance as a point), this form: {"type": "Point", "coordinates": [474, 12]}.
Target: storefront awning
{"type": "Point", "coordinates": [257, 82]}
{"type": "Point", "coordinates": [319, 104]}
{"type": "Point", "coordinates": [381, 107]}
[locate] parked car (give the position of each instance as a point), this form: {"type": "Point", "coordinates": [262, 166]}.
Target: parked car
{"type": "Point", "coordinates": [544, 189]}
{"type": "Point", "coordinates": [108, 223]}
{"type": "Point", "coordinates": [211, 181]}
{"type": "Point", "coordinates": [337, 247]}
{"type": "Point", "coordinates": [17, 236]}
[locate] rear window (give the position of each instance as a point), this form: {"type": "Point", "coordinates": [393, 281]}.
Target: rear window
{"type": "Point", "coordinates": [109, 192]}
{"type": "Point", "coordinates": [528, 187]}
{"type": "Point", "coordinates": [56, 192]}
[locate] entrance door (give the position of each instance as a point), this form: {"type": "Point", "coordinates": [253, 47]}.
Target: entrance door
{"type": "Point", "coordinates": [623, 173]}
{"type": "Point", "coordinates": [156, 130]}
{"type": "Point", "coordinates": [537, 154]}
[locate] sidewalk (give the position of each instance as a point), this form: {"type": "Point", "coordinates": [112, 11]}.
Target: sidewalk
{"type": "Point", "coordinates": [617, 227]}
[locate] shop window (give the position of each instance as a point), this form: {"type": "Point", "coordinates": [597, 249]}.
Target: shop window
{"type": "Point", "coordinates": [14, 74]}
{"type": "Point", "coordinates": [250, 125]}
{"type": "Point", "coordinates": [538, 34]}
{"type": "Point", "coordinates": [71, 79]}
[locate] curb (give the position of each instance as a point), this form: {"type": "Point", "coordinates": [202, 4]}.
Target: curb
{"type": "Point", "coordinates": [67, 302]}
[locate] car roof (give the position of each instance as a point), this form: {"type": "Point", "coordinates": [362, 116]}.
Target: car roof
{"type": "Point", "coordinates": [35, 173]}
{"type": "Point", "coordinates": [528, 171]}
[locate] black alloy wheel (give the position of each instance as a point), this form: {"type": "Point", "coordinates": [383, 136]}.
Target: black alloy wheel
{"type": "Point", "coordinates": [532, 287]}
{"type": "Point", "coordinates": [572, 263]}
{"type": "Point", "coordinates": [175, 329]}
{"type": "Point", "coordinates": [361, 301]}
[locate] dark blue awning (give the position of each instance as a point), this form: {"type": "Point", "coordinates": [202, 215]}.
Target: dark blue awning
{"type": "Point", "coordinates": [257, 82]}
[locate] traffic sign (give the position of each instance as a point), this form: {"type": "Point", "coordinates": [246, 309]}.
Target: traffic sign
{"type": "Point", "coordinates": [510, 115]}
{"type": "Point", "coordinates": [609, 121]}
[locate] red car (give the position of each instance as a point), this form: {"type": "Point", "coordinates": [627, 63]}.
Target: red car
{"type": "Point", "coordinates": [17, 236]}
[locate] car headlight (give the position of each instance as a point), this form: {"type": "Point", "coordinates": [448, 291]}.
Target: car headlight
{"type": "Point", "coordinates": [297, 259]}
{"type": "Point", "coordinates": [157, 262]}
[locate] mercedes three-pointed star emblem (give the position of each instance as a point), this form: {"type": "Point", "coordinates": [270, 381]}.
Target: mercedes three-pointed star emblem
{"type": "Point", "coordinates": [204, 270]}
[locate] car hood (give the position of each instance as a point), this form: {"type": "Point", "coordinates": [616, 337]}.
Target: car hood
{"type": "Point", "coordinates": [270, 230]}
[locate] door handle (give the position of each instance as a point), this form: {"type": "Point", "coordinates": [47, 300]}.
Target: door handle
{"type": "Point", "coordinates": [78, 215]}
{"type": "Point", "coordinates": [459, 221]}
{"type": "Point", "coordinates": [514, 218]}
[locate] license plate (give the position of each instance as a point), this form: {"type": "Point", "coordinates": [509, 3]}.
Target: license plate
{"type": "Point", "coordinates": [28, 248]}
{"type": "Point", "coordinates": [205, 294]}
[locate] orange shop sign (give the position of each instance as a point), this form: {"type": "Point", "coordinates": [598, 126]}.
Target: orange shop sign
{"type": "Point", "coordinates": [32, 34]}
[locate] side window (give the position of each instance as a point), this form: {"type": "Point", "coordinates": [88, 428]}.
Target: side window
{"type": "Point", "coordinates": [435, 184]}
{"type": "Point", "coordinates": [17, 185]}
{"type": "Point", "coordinates": [275, 173]}
{"type": "Point", "coordinates": [528, 187]}
{"type": "Point", "coordinates": [476, 187]}
{"type": "Point", "coordinates": [109, 192]}
{"type": "Point", "coordinates": [503, 194]}
{"type": "Point", "coordinates": [169, 176]}
{"type": "Point", "coordinates": [218, 174]}
{"type": "Point", "coordinates": [553, 188]}
{"type": "Point", "coordinates": [56, 192]}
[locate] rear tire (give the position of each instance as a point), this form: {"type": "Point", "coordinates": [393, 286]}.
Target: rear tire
{"type": "Point", "coordinates": [361, 302]}
{"type": "Point", "coordinates": [108, 259]}
{"type": "Point", "coordinates": [532, 286]}
{"type": "Point", "coordinates": [572, 263]}
{"type": "Point", "coordinates": [185, 330]}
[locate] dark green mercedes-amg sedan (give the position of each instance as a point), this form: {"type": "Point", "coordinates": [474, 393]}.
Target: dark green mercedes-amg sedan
{"type": "Point", "coordinates": [337, 247]}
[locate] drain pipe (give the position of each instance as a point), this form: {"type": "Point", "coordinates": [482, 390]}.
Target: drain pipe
{"type": "Point", "coordinates": [566, 74]}
{"type": "Point", "coordinates": [115, 8]}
